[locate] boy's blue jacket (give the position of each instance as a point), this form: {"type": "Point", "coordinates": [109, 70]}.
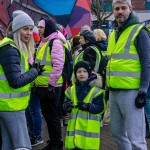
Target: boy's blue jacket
{"type": "Point", "coordinates": [82, 89]}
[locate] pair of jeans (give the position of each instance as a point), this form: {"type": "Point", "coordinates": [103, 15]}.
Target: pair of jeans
{"type": "Point", "coordinates": [33, 116]}
{"type": "Point", "coordinates": [50, 106]}
{"type": "Point", "coordinates": [14, 131]}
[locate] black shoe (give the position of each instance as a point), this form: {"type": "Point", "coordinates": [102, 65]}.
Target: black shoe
{"type": "Point", "coordinates": [36, 140]}
{"type": "Point", "coordinates": [51, 146]}
{"type": "Point", "coordinates": [48, 146]}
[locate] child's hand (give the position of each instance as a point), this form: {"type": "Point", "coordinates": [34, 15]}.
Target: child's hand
{"type": "Point", "coordinates": [83, 106]}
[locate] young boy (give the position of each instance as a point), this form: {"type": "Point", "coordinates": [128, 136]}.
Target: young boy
{"type": "Point", "coordinates": [85, 101]}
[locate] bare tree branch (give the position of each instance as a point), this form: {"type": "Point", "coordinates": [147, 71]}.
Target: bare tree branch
{"type": "Point", "coordinates": [99, 8]}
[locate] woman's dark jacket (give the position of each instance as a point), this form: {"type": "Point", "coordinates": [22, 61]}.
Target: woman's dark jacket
{"type": "Point", "coordinates": [10, 62]}
{"type": "Point", "coordinates": [90, 54]}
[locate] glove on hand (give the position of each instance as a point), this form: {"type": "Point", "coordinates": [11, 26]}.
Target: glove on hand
{"type": "Point", "coordinates": [38, 67]}
{"type": "Point", "coordinates": [83, 106]}
{"type": "Point", "coordinates": [140, 100]}
{"type": "Point", "coordinates": [68, 107]}
{"type": "Point", "coordinates": [51, 90]}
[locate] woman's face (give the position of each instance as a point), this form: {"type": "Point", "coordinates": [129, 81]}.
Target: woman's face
{"type": "Point", "coordinates": [82, 40]}
{"type": "Point", "coordinates": [26, 33]}
{"type": "Point", "coordinates": [41, 31]}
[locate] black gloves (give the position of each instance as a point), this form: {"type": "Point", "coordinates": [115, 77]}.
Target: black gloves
{"type": "Point", "coordinates": [51, 90]}
{"type": "Point", "coordinates": [38, 67]}
{"type": "Point", "coordinates": [68, 107]}
{"type": "Point", "coordinates": [140, 100]}
{"type": "Point", "coordinates": [83, 106]}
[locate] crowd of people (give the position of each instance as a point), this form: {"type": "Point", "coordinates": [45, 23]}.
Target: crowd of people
{"type": "Point", "coordinates": [109, 77]}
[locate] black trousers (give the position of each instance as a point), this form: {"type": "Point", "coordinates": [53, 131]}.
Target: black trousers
{"type": "Point", "coordinates": [50, 106]}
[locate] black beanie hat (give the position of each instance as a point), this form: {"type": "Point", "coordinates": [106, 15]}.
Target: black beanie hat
{"type": "Point", "coordinates": [87, 34]}
{"type": "Point", "coordinates": [84, 64]}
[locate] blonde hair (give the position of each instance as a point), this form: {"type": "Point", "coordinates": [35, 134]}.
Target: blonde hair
{"type": "Point", "coordinates": [100, 35]}
{"type": "Point", "coordinates": [26, 48]}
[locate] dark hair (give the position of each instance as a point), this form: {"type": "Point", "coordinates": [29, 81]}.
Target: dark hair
{"type": "Point", "coordinates": [50, 26]}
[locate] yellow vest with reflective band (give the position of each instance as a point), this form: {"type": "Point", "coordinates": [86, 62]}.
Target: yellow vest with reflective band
{"type": "Point", "coordinates": [83, 130]}
{"type": "Point", "coordinates": [13, 99]}
{"type": "Point", "coordinates": [98, 58]}
{"type": "Point", "coordinates": [43, 56]}
{"type": "Point", "coordinates": [124, 69]}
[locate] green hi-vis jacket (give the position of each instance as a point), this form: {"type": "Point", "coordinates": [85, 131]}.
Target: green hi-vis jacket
{"type": "Point", "coordinates": [98, 58]}
{"type": "Point", "coordinates": [13, 99]}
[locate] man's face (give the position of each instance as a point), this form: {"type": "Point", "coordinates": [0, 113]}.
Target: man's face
{"type": "Point", "coordinates": [121, 12]}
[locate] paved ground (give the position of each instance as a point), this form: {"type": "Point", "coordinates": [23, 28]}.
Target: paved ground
{"type": "Point", "coordinates": [107, 142]}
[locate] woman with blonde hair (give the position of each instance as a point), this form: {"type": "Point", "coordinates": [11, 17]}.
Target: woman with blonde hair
{"type": "Point", "coordinates": [15, 78]}
{"type": "Point", "coordinates": [101, 39]}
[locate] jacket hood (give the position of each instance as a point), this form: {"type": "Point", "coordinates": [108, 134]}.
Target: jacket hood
{"type": "Point", "coordinates": [133, 19]}
{"type": "Point", "coordinates": [95, 82]}
{"type": "Point", "coordinates": [103, 45]}
{"type": "Point", "coordinates": [59, 35]}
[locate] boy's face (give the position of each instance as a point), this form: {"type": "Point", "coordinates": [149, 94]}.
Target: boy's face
{"type": "Point", "coordinates": [82, 74]}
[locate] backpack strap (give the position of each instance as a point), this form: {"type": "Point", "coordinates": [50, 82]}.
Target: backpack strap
{"type": "Point", "coordinates": [51, 44]}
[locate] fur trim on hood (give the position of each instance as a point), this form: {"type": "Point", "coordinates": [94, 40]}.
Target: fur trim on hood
{"type": "Point", "coordinates": [95, 82]}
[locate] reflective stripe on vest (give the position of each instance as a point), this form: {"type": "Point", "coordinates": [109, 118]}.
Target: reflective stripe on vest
{"type": "Point", "coordinates": [45, 59]}
{"type": "Point", "coordinates": [98, 58]}
{"type": "Point", "coordinates": [83, 126]}
{"type": "Point", "coordinates": [124, 69]}
{"type": "Point", "coordinates": [13, 99]}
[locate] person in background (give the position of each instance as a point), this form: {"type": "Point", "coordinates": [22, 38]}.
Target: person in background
{"type": "Point", "coordinates": [63, 115]}
{"type": "Point", "coordinates": [101, 39]}
{"type": "Point", "coordinates": [85, 101]}
{"type": "Point", "coordinates": [90, 51]}
{"type": "Point", "coordinates": [128, 77]}
{"type": "Point", "coordinates": [49, 84]}
{"type": "Point", "coordinates": [76, 47]}
{"type": "Point", "coordinates": [15, 81]}
{"type": "Point", "coordinates": [33, 111]}
{"type": "Point", "coordinates": [85, 27]}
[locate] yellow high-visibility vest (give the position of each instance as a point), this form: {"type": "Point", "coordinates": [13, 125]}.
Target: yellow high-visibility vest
{"type": "Point", "coordinates": [83, 130]}
{"type": "Point", "coordinates": [13, 99]}
{"type": "Point", "coordinates": [98, 58]}
{"type": "Point", "coordinates": [43, 56]}
{"type": "Point", "coordinates": [124, 68]}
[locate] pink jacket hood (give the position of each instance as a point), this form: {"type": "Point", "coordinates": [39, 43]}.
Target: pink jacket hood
{"type": "Point", "coordinates": [59, 35]}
